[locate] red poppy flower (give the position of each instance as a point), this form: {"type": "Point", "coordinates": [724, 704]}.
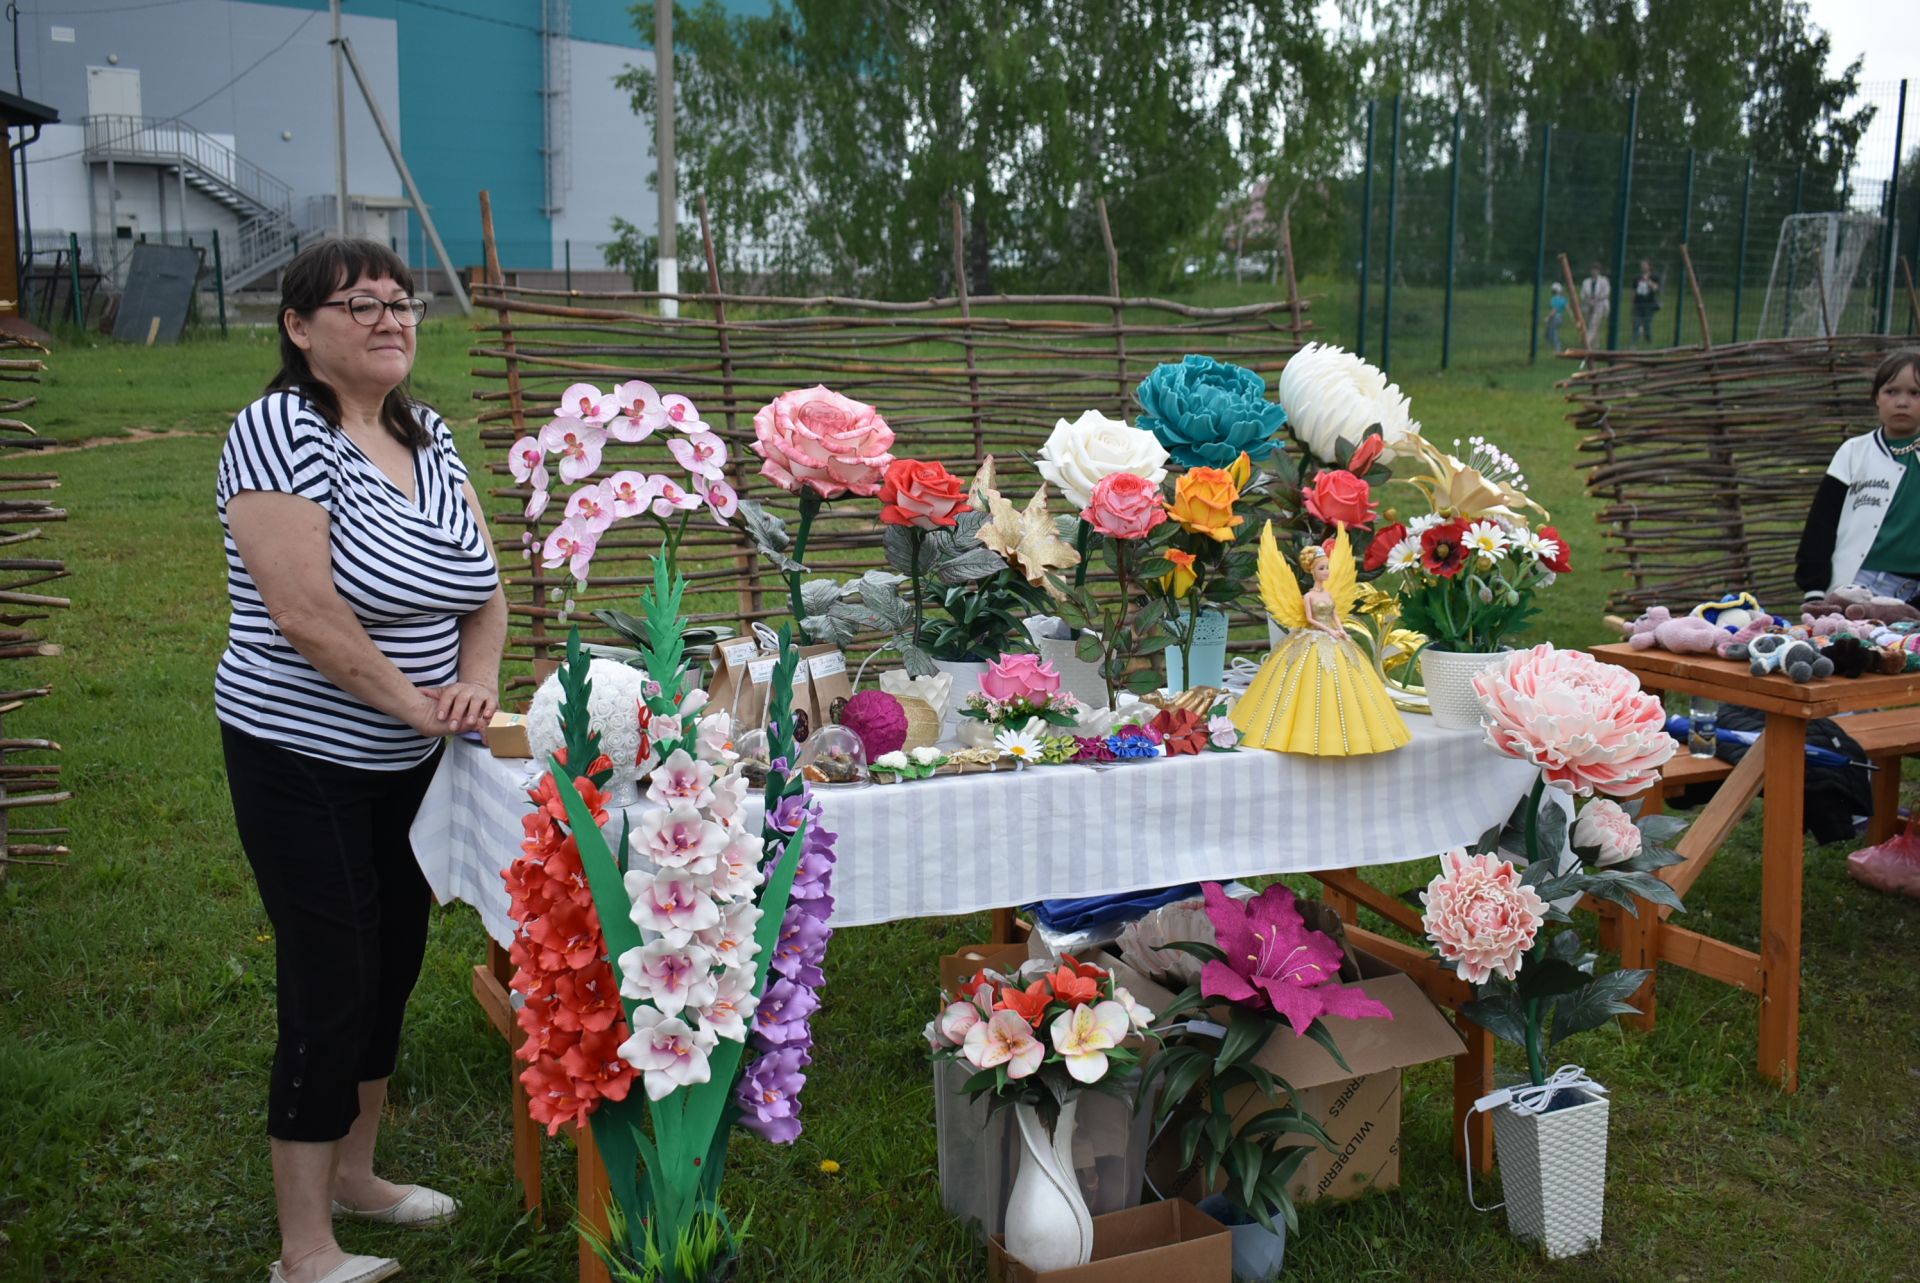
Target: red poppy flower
{"type": "Point", "coordinates": [1384, 543]}
{"type": "Point", "coordinates": [1443, 549]}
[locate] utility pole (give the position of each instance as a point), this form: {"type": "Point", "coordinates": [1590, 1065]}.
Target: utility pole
{"type": "Point", "coordinates": [339, 128]}
{"type": "Point", "coordinates": [668, 259]}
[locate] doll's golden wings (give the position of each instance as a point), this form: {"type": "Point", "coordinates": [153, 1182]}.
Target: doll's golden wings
{"type": "Point", "coordinates": [1279, 590]}
{"type": "Point", "coordinates": [1343, 580]}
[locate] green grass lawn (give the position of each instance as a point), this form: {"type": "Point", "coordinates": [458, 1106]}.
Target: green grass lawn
{"type": "Point", "coordinates": [136, 988]}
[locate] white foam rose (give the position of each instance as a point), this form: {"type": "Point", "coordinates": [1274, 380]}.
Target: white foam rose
{"type": "Point", "coordinates": [1331, 396]}
{"type": "Point", "coordinates": [1082, 454]}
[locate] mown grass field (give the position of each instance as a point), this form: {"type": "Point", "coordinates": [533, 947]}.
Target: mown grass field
{"type": "Point", "coordinates": [136, 982]}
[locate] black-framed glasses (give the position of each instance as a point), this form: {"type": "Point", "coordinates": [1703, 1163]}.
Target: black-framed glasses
{"type": "Point", "coordinates": [366, 309]}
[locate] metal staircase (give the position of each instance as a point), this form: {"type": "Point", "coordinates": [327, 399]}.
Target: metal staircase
{"type": "Point", "coordinates": [267, 237]}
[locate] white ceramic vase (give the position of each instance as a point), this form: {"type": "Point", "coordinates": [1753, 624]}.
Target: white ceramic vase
{"type": "Point", "coordinates": [1448, 676]}
{"type": "Point", "coordinates": [966, 675]}
{"type": "Point", "coordinates": [1553, 1167]}
{"type": "Point", "coordinates": [1048, 1224]}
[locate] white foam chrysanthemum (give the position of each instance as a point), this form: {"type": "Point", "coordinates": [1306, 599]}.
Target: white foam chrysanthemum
{"type": "Point", "coordinates": [1331, 396]}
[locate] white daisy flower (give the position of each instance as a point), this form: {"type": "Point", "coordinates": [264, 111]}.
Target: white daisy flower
{"type": "Point", "coordinates": [1405, 554]}
{"type": "Point", "coordinates": [1537, 546]}
{"type": "Point", "coordinates": [1486, 538]}
{"type": "Point", "coordinates": [1023, 745]}
{"type": "Point", "coordinates": [1424, 522]}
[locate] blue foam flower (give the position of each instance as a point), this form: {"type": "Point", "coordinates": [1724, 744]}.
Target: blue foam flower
{"type": "Point", "coordinates": [1207, 412]}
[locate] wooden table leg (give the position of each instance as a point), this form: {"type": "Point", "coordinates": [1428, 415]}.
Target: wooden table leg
{"type": "Point", "coordinates": [526, 1132]}
{"type": "Point", "coordinates": [594, 1193]}
{"type": "Point", "coordinates": [1783, 851]}
{"type": "Point", "coordinates": [1472, 1079]}
{"type": "Point", "coordinates": [1006, 928]}
{"type": "Point", "coordinates": [1886, 801]}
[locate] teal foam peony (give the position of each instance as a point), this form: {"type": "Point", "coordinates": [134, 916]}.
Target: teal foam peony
{"type": "Point", "coordinates": [1207, 412]}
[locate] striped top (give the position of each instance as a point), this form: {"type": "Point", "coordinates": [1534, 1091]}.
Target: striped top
{"type": "Point", "coordinates": [409, 569]}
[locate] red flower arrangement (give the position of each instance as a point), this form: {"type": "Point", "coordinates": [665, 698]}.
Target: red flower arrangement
{"type": "Point", "coordinates": [573, 1018]}
{"type": "Point", "coordinates": [1383, 545]}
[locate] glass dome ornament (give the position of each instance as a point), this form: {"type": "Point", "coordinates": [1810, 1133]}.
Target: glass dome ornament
{"type": "Point", "coordinates": [756, 756]}
{"type": "Point", "coordinates": [834, 756]}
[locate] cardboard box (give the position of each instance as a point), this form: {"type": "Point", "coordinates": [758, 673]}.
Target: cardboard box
{"type": "Point", "coordinates": [1171, 1242]}
{"type": "Point", "coordinates": [1360, 1109]}
{"type": "Point", "coordinates": [506, 735]}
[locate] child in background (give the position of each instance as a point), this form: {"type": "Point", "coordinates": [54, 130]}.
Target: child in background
{"type": "Point", "coordinates": [1556, 313]}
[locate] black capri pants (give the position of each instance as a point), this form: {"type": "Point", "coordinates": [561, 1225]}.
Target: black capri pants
{"type": "Point", "coordinates": [330, 853]}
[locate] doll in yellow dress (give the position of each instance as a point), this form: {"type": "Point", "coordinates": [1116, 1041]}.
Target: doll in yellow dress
{"type": "Point", "coordinates": [1317, 693]}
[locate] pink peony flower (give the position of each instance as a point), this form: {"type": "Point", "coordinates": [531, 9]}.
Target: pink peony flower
{"type": "Point", "coordinates": [1125, 506]}
{"type": "Point", "coordinates": [1480, 915]}
{"type": "Point", "coordinates": [815, 439]}
{"type": "Point", "coordinates": [1605, 834]}
{"type": "Point", "coordinates": [1019, 676]}
{"type": "Point", "coordinates": [1587, 725]}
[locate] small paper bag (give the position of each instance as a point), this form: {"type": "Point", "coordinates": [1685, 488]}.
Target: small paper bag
{"type": "Point", "coordinates": [730, 687]}
{"type": "Point", "coordinates": [828, 682]}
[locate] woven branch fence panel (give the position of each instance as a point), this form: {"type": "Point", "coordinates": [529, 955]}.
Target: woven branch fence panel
{"type": "Point", "coordinates": [26, 506]}
{"type": "Point", "coordinates": [1706, 459]}
{"type": "Point", "coordinates": [958, 379]}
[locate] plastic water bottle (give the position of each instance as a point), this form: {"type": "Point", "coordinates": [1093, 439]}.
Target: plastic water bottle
{"type": "Point", "coordinates": [1704, 718]}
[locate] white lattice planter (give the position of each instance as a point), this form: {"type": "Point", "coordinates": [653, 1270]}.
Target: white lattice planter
{"type": "Point", "coordinates": [1553, 1167]}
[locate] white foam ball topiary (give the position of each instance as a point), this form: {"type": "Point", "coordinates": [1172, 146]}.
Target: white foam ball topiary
{"type": "Point", "coordinates": [613, 711]}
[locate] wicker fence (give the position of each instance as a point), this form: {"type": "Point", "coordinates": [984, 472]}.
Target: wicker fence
{"type": "Point", "coordinates": [957, 378]}
{"type": "Point", "coordinates": [26, 507]}
{"type": "Point", "coordinates": [1706, 459]}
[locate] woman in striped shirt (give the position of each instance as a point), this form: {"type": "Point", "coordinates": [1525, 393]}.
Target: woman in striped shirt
{"type": "Point", "coordinates": [367, 623]}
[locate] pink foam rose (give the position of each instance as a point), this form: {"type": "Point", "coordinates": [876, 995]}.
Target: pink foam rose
{"type": "Point", "coordinates": [815, 439]}
{"type": "Point", "coordinates": [1124, 506]}
{"type": "Point", "coordinates": [1587, 725]}
{"type": "Point", "coordinates": [1480, 916]}
{"type": "Point", "coordinates": [1019, 677]}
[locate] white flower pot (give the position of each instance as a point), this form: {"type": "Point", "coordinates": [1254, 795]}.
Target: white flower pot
{"type": "Point", "coordinates": [1078, 678]}
{"type": "Point", "coordinates": [1048, 1224]}
{"type": "Point", "coordinates": [1553, 1167]}
{"type": "Point", "coordinates": [1448, 676]}
{"type": "Point", "coordinates": [966, 675]}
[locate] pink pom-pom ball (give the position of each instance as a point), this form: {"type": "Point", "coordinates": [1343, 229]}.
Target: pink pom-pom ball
{"type": "Point", "coordinates": [877, 718]}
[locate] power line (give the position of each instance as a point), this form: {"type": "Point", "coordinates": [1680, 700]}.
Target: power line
{"type": "Point", "coordinates": [119, 8]}
{"type": "Point", "coordinates": [242, 75]}
{"type": "Point", "coordinates": [477, 17]}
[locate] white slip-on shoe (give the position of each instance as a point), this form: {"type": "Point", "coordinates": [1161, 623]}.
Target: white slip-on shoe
{"type": "Point", "coordinates": [355, 1269]}
{"type": "Point", "coordinates": [420, 1209]}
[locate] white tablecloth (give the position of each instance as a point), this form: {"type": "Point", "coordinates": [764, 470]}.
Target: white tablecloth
{"type": "Point", "coordinates": [960, 844]}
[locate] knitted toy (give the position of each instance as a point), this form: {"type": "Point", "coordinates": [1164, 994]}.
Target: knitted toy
{"type": "Point", "coordinates": [1849, 655]}
{"type": "Point", "coordinates": [1886, 610]}
{"type": "Point", "coordinates": [1824, 625]}
{"type": "Point", "coordinates": [1796, 660]}
{"type": "Point", "coordinates": [1734, 645]}
{"type": "Point", "coordinates": [1686, 635]}
{"type": "Point", "coordinates": [1732, 612]}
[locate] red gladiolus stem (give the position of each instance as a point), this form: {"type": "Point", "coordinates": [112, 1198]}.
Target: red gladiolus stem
{"type": "Point", "coordinates": [809, 505]}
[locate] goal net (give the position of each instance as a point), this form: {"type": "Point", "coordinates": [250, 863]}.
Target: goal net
{"type": "Point", "coordinates": [1826, 276]}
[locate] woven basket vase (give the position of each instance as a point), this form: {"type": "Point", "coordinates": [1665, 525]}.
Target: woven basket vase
{"type": "Point", "coordinates": [923, 723]}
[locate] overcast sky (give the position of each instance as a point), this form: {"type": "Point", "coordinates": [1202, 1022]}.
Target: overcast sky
{"type": "Point", "coordinates": [1879, 29]}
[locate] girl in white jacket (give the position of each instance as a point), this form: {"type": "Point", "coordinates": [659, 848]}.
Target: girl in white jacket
{"type": "Point", "coordinates": [1864, 526]}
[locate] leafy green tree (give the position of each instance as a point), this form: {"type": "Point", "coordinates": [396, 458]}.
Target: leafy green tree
{"type": "Point", "coordinates": [830, 136]}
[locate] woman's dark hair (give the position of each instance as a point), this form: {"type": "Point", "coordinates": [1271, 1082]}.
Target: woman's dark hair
{"type": "Point", "coordinates": [1906, 358]}
{"type": "Point", "coordinates": [316, 272]}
